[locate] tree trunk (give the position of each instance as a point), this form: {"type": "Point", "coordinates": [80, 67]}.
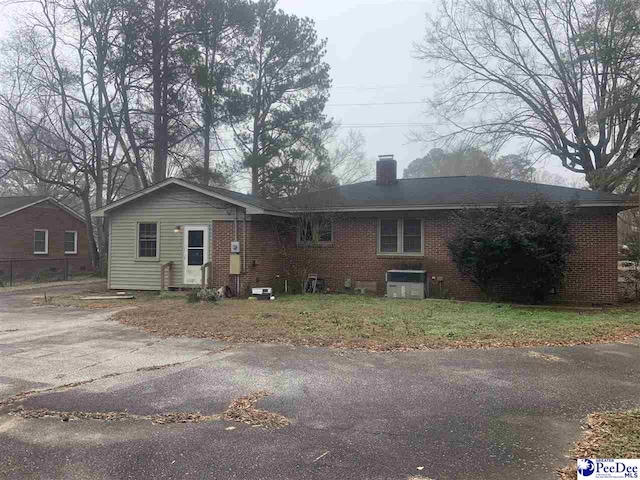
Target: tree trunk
{"type": "Point", "coordinates": [93, 250]}
{"type": "Point", "coordinates": [159, 134]}
{"type": "Point", "coordinates": [255, 186]}
{"type": "Point", "coordinates": [207, 144]}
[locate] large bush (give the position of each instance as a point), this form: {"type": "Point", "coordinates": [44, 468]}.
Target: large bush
{"type": "Point", "coordinates": [520, 253]}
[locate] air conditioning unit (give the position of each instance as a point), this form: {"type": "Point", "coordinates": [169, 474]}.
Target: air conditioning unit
{"type": "Point", "coordinates": [407, 284]}
{"type": "Point", "coordinates": [235, 247]}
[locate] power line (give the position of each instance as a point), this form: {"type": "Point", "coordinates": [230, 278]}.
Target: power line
{"type": "Point", "coordinates": [374, 104]}
{"type": "Point", "coordinates": [379, 87]}
{"type": "Point", "coordinates": [386, 125]}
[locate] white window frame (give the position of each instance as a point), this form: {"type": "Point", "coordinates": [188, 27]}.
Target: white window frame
{"type": "Point", "coordinates": [46, 241]}
{"type": "Point", "coordinates": [137, 251]}
{"type": "Point", "coordinates": [75, 242]}
{"type": "Point", "coordinates": [400, 246]}
{"type": "Point", "coordinates": [315, 234]}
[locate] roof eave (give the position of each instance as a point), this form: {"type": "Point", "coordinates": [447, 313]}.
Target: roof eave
{"type": "Point", "coordinates": [250, 209]}
{"type": "Point", "coordinates": [46, 199]}
{"type": "Point", "coordinates": [23, 207]}
{"type": "Point", "coordinates": [457, 206]}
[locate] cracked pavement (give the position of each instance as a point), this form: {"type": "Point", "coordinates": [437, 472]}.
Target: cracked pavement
{"type": "Point", "coordinates": [459, 414]}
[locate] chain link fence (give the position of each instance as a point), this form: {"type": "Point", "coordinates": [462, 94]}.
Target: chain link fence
{"type": "Point", "coordinates": [629, 283]}
{"type": "Point", "coordinates": [16, 271]}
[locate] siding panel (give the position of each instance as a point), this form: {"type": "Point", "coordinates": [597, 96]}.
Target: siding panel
{"type": "Point", "coordinates": [169, 207]}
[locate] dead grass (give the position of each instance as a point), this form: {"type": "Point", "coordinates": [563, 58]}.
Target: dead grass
{"type": "Point", "coordinates": [343, 321]}
{"type": "Point", "coordinates": [75, 299]}
{"type": "Point", "coordinates": [607, 435]}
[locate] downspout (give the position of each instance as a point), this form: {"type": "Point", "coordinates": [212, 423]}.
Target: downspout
{"type": "Point", "coordinates": [235, 226]}
{"type": "Point", "coordinates": [244, 241]}
{"type": "Point", "coordinates": [235, 239]}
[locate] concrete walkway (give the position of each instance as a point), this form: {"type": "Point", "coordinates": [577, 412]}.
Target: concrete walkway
{"type": "Point", "coordinates": [453, 414]}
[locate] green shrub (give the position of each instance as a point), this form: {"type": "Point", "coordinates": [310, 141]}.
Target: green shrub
{"type": "Point", "coordinates": [207, 295]}
{"type": "Point", "coordinates": [510, 252]}
{"type": "Point", "coordinates": [193, 297]}
{"type": "Point", "coordinates": [202, 295]}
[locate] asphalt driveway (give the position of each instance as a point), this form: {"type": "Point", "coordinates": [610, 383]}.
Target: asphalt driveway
{"type": "Point", "coordinates": [451, 414]}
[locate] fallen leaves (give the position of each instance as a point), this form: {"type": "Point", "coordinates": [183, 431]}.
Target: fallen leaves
{"type": "Point", "coordinates": [159, 419]}
{"type": "Point", "coordinates": [546, 356]}
{"type": "Point", "coordinates": [243, 410]}
{"type": "Point", "coordinates": [240, 410]}
{"type": "Point", "coordinates": [607, 435]}
{"type": "Point", "coordinates": [377, 325]}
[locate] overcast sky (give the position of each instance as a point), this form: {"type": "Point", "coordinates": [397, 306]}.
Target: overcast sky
{"type": "Point", "coordinates": [370, 53]}
{"type": "Point", "coordinates": [369, 49]}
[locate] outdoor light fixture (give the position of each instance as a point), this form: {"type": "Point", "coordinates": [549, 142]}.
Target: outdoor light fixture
{"type": "Point", "coordinates": [177, 229]}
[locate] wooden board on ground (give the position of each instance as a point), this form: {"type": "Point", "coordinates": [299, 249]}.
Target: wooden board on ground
{"type": "Point", "coordinates": [112, 297]}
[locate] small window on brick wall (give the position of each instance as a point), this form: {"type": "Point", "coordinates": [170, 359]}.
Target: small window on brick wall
{"type": "Point", "coordinates": [70, 242]}
{"type": "Point", "coordinates": [316, 232]}
{"type": "Point", "coordinates": [400, 236]}
{"type": "Point", "coordinates": [40, 242]}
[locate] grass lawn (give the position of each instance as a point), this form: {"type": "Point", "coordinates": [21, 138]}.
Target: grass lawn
{"type": "Point", "coordinates": [375, 323]}
{"type": "Point", "coordinates": [608, 435]}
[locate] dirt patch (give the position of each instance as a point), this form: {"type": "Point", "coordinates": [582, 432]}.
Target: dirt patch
{"type": "Point", "coordinates": [606, 435]}
{"type": "Point", "coordinates": [243, 410]}
{"type": "Point", "coordinates": [79, 300]}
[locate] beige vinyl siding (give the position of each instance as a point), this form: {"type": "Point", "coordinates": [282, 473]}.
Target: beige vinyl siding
{"type": "Point", "coordinates": [168, 207]}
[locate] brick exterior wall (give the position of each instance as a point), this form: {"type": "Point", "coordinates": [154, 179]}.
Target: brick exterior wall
{"type": "Point", "coordinates": [261, 257]}
{"type": "Point", "coordinates": [16, 242]}
{"type": "Point", "coordinates": [591, 277]}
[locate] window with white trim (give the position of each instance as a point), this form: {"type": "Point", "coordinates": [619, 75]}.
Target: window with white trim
{"type": "Point", "coordinates": [41, 242]}
{"type": "Point", "coordinates": [400, 236]}
{"type": "Point", "coordinates": [70, 242]}
{"type": "Point", "coordinates": [147, 240]}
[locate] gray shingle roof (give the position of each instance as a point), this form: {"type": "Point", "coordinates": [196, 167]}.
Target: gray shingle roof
{"type": "Point", "coordinates": [407, 194]}
{"type": "Point", "coordinates": [441, 192]}
{"type": "Point", "coordinates": [241, 197]}
{"type": "Point", "coordinates": [8, 204]}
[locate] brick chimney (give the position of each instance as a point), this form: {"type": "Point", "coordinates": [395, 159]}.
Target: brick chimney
{"type": "Point", "coordinates": [386, 170]}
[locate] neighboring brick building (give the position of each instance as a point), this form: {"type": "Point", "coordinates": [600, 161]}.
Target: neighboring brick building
{"type": "Point", "coordinates": [374, 226]}
{"type": "Point", "coordinates": [41, 237]}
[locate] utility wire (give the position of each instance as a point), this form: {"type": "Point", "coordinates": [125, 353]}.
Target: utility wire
{"type": "Point", "coordinates": [378, 87]}
{"type": "Point", "coordinates": [386, 125]}
{"type": "Point", "coordinates": [373, 104]}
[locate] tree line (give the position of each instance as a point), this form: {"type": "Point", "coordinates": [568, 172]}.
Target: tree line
{"type": "Point", "coordinates": [100, 98]}
{"type": "Point", "coordinates": [561, 77]}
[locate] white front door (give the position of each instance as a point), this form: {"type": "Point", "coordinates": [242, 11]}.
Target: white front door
{"type": "Point", "coordinates": [196, 252]}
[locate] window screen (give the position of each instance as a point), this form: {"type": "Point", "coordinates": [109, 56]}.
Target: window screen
{"type": "Point", "coordinates": [40, 241]}
{"type": "Point", "coordinates": [389, 236]}
{"type": "Point", "coordinates": [70, 242]}
{"type": "Point", "coordinates": [147, 239]}
{"type": "Point", "coordinates": [412, 236]}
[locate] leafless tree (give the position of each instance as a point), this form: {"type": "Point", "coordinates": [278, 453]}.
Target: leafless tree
{"type": "Point", "coordinates": [308, 229]}
{"type": "Point", "coordinates": [54, 106]}
{"type": "Point", "coordinates": [561, 74]}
